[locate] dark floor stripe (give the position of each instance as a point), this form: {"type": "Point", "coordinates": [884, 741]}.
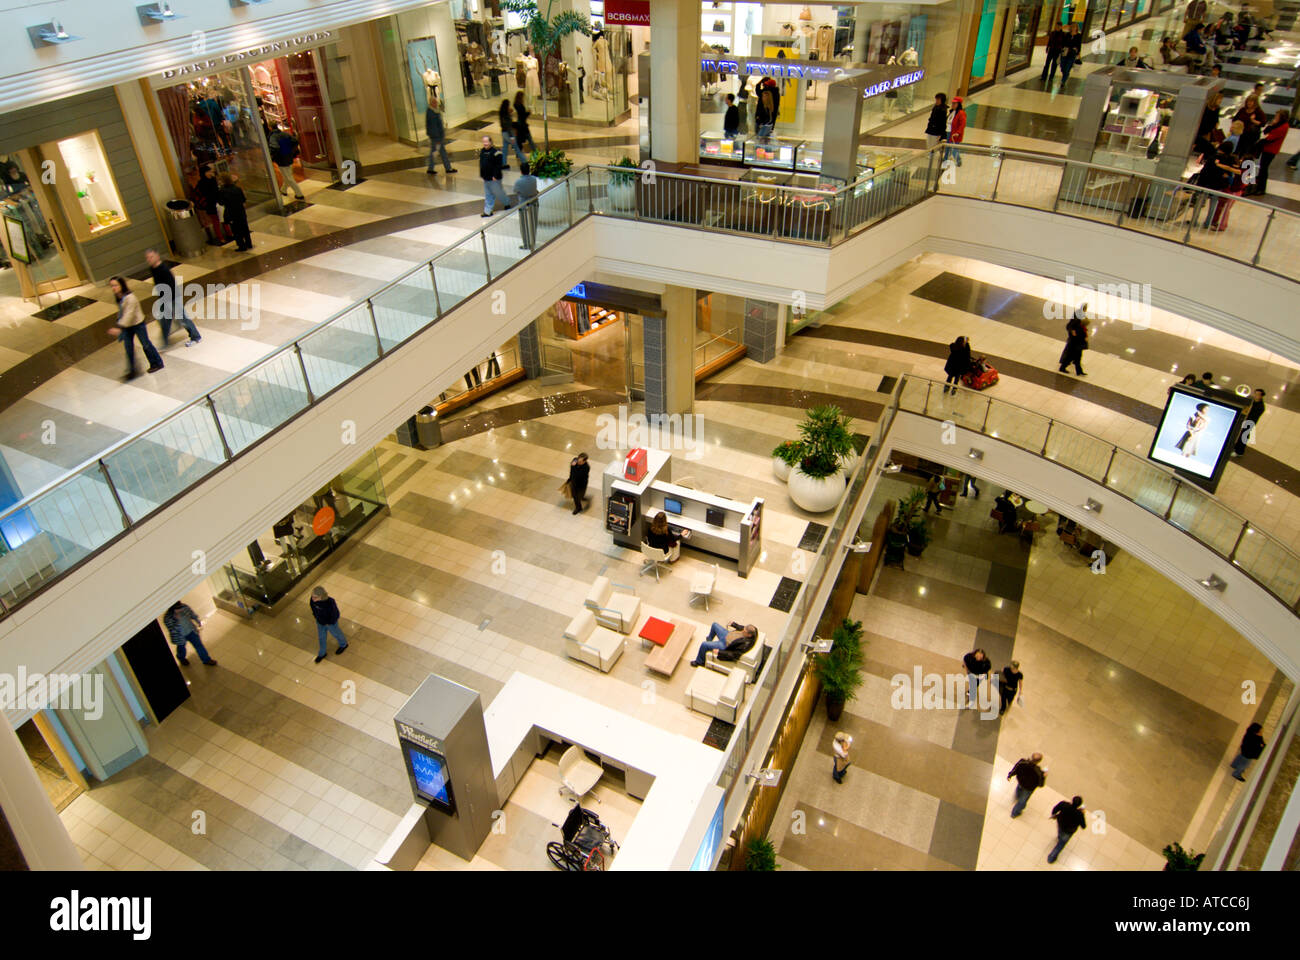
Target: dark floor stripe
{"type": "Point", "coordinates": [1260, 464]}
{"type": "Point", "coordinates": [789, 397]}
{"type": "Point", "coordinates": [529, 410]}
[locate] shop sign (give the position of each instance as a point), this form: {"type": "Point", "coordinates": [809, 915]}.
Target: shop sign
{"type": "Point", "coordinates": [266, 51]}
{"type": "Point", "coordinates": [778, 68]}
{"type": "Point", "coordinates": [887, 85]}
{"type": "Point", "coordinates": [627, 13]}
{"type": "Point", "coordinates": [322, 521]}
{"type": "Point", "coordinates": [579, 292]}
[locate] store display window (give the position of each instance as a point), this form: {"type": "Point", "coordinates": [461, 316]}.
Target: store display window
{"type": "Point", "coordinates": [87, 188]}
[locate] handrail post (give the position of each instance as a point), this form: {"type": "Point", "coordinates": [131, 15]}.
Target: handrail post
{"type": "Point", "coordinates": [1191, 221]}
{"type": "Point", "coordinates": [1132, 182]}
{"type": "Point", "coordinates": [988, 408]}
{"type": "Point", "coordinates": [591, 203]}
{"type": "Point", "coordinates": [112, 488]}
{"type": "Point", "coordinates": [1241, 535]}
{"type": "Point", "coordinates": [997, 175]}
{"type": "Point", "coordinates": [302, 365]}
{"type": "Point", "coordinates": [1178, 485]}
{"type": "Point", "coordinates": [220, 433]}
{"type": "Point", "coordinates": [1105, 477]}
{"type": "Point", "coordinates": [1254, 261]}
{"type": "Point", "coordinates": [374, 325]}
{"type": "Point", "coordinates": [929, 385]}
{"type": "Point", "coordinates": [433, 282]}
{"type": "Point", "coordinates": [1047, 436]}
{"type": "Point", "coordinates": [487, 261]}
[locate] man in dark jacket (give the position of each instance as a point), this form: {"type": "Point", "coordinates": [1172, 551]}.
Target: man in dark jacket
{"type": "Point", "coordinates": [1251, 423]}
{"type": "Point", "coordinates": [1069, 817]}
{"type": "Point", "coordinates": [936, 128]}
{"type": "Point", "coordinates": [170, 304]}
{"type": "Point", "coordinates": [1055, 44]}
{"type": "Point", "coordinates": [1029, 777]}
{"type": "Point", "coordinates": [490, 164]}
{"type": "Point", "coordinates": [731, 119]}
{"type": "Point", "coordinates": [1252, 746]}
{"type": "Point", "coordinates": [958, 363]}
{"type": "Point", "coordinates": [579, 471]}
{"type": "Point", "coordinates": [738, 640]}
{"type": "Point", "coordinates": [1072, 53]}
{"type": "Point", "coordinates": [326, 612]}
{"type": "Point", "coordinates": [977, 668]}
{"type": "Point", "coordinates": [437, 132]}
{"type": "Point", "coordinates": [284, 150]}
{"type": "Point", "coordinates": [1004, 506]}
{"type": "Point", "coordinates": [1076, 341]}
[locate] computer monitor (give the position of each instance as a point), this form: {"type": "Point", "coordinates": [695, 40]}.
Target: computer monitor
{"type": "Point", "coordinates": [672, 506]}
{"type": "Point", "coordinates": [715, 516]}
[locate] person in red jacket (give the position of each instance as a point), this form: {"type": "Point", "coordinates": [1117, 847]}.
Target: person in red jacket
{"type": "Point", "coordinates": [956, 131]}
{"type": "Point", "coordinates": [1270, 145]}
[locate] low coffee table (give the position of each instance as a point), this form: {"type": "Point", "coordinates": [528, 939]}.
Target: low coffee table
{"type": "Point", "coordinates": [663, 658]}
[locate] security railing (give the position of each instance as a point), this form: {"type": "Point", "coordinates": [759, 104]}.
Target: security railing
{"type": "Point", "coordinates": [1160, 491]}
{"type": "Point", "coordinates": [60, 525]}
{"type": "Point", "coordinates": [716, 347]}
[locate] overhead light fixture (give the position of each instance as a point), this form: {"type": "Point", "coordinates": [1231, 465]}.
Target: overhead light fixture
{"type": "Point", "coordinates": [891, 467]}
{"type": "Point", "coordinates": [1213, 582]}
{"type": "Point", "coordinates": [1092, 506]}
{"type": "Point", "coordinates": [49, 34]}
{"type": "Point", "coordinates": [152, 14]}
{"type": "Point", "coordinates": [818, 645]}
{"type": "Point", "coordinates": [976, 454]}
{"type": "Point", "coordinates": [765, 777]}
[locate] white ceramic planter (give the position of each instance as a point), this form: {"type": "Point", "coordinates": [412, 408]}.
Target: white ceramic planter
{"type": "Point", "coordinates": [816, 494]}
{"type": "Point", "coordinates": [622, 195]}
{"type": "Point", "coordinates": [781, 469]}
{"type": "Point", "coordinates": [848, 464]}
{"type": "Point", "coordinates": [552, 207]}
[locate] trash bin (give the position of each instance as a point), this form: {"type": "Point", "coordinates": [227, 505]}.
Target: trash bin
{"type": "Point", "coordinates": [188, 238]}
{"type": "Point", "coordinates": [428, 429]}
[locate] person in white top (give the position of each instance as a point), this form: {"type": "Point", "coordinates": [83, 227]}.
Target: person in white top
{"type": "Point", "coordinates": [130, 325]}
{"type": "Point", "coordinates": [840, 761]}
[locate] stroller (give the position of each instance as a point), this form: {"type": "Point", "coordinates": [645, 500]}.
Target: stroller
{"type": "Point", "coordinates": [586, 844]}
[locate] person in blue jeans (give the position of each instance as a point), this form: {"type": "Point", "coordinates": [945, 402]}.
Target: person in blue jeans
{"type": "Point", "coordinates": [182, 625]}
{"type": "Point", "coordinates": [326, 612]}
{"type": "Point", "coordinates": [1069, 817]}
{"type": "Point", "coordinates": [719, 637]}
{"type": "Point", "coordinates": [1029, 777]}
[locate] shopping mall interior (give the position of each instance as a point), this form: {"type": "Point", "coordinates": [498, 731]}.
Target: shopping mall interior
{"type": "Point", "coordinates": [512, 649]}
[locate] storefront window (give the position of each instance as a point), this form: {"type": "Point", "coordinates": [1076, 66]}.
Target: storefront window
{"type": "Point", "coordinates": [1022, 37]}
{"type": "Point", "coordinates": [88, 186]}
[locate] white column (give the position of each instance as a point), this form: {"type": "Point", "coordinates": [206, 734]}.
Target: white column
{"type": "Point", "coordinates": [675, 80]}
{"type": "Point", "coordinates": [40, 833]}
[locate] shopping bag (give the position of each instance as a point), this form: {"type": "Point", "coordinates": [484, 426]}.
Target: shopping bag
{"type": "Point", "coordinates": [299, 172]}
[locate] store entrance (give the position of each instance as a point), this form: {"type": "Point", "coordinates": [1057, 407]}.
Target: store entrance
{"type": "Point", "coordinates": [53, 764]}
{"type": "Point", "coordinates": [35, 251]}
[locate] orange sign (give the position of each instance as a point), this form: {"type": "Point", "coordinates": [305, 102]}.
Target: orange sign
{"type": "Point", "coordinates": [321, 523]}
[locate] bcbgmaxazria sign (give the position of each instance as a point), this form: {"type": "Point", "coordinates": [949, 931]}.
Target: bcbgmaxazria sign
{"type": "Point", "coordinates": [264, 52]}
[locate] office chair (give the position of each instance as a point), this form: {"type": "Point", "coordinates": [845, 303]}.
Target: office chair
{"type": "Point", "coordinates": [655, 558]}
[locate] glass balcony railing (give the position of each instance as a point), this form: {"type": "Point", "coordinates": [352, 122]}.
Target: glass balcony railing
{"type": "Point", "coordinates": [59, 526]}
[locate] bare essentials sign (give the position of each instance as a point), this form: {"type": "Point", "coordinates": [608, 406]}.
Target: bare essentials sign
{"type": "Point", "coordinates": [266, 51]}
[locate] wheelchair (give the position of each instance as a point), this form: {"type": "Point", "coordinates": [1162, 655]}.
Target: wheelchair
{"type": "Point", "coordinates": [586, 844]}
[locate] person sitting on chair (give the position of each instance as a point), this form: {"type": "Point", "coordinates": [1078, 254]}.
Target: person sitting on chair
{"type": "Point", "coordinates": [661, 537]}
{"type": "Point", "coordinates": [1004, 506]}
{"type": "Point", "coordinates": [739, 639]}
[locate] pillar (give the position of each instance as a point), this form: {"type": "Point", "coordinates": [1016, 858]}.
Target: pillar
{"type": "Point", "coordinates": [762, 320]}
{"type": "Point", "coordinates": [670, 353]}
{"type": "Point", "coordinates": [530, 350]}
{"type": "Point", "coordinates": [40, 834]}
{"type": "Point", "coordinates": [675, 81]}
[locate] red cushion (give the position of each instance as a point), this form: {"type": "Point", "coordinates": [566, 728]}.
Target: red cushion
{"type": "Point", "coordinates": [657, 631]}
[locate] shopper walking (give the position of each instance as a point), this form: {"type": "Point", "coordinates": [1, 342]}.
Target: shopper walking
{"type": "Point", "coordinates": [765, 113]}
{"type": "Point", "coordinates": [1052, 55]}
{"type": "Point", "coordinates": [284, 150]}
{"type": "Point", "coordinates": [1011, 686]}
{"type": "Point", "coordinates": [230, 200]}
{"type": "Point", "coordinates": [1069, 817]}
{"type": "Point", "coordinates": [523, 135]}
{"type": "Point", "coordinates": [506, 117]}
{"type": "Point", "coordinates": [205, 191]}
{"type": "Point", "coordinates": [1252, 746]}
{"type": "Point", "coordinates": [1071, 54]}
{"type": "Point", "coordinates": [840, 747]}
{"type": "Point", "coordinates": [490, 165]}
{"type": "Point", "coordinates": [933, 487]}
{"type": "Point", "coordinates": [968, 483]}
{"type": "Point", "coordinates": [956, 131]}
{"type": "Point", "coordinates": [526, 200]}
{"type": "Point", "coordinates": [131, 326]}
{"type": "Point", "coordinates": [1250, 423]}
{"type": "Point", "coordinates": [937, 126]}
{"type": "Point", "coordinates": [731, 119]}
{"type": "Point", "coordinates": [977, 668]}
{"type": "Point", "coordinates": [436, 128]}
{"type": "Point", "coordinates": [579, 472]}
{"type": "Point", "coordinates": [326, 612]}
{"type": "Point", "coordinates": [170, 303]}
{"type": "Point", "coordinates": [1029, 777]}
{"type": "Point", "coordinates": [957, 364]}
{"type": "Point", "coordinates": [1076, 341]}
{"type": "Point", "coordinates": [183, 625]}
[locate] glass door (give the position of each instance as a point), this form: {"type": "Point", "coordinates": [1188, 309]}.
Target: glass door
{"type": "Point", "coordinates": [307, 109]}
{"type": "Point", "coordinates": [36, 237]}
{"type": "Point", "coordinates": [1022, 37]}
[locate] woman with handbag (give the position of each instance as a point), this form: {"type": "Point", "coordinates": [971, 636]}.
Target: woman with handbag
{"type": "Point", "coordinates": [130, 325]}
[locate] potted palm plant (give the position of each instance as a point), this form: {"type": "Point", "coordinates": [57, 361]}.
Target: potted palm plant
{"type": "Point", "coordinates": [910, 524]}
{"type": "Point", "coordinates": [550, 167]}
{"type": "Point", "coordinates": [1178, 859]}
{"type": "Point", "coordinates": [761, 855]}
{"type": "Point", "coordinates": [840, 670]}
{"type": "Point", "coordinates": [622, 185]}
{"type": "Point", "coordinates": [817, 481]}
{"type": "Point", "coordinates": [545, 33]}
{"type": "Point", "coordinates": [784, 457]}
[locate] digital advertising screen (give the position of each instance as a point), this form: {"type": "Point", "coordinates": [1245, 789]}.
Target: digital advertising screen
{"type": "Point", "coordinates": [428, 772]}
{"type": "Point", "coordinates": [1195, 433]}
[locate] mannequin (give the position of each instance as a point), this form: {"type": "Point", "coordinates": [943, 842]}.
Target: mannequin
{"type": "Point", "coordinates": [907, 58]}
{"type": "Point", "coordinates": [600, 49]}
{"type": "Point", "coordinates": [432, 81]}
{"type": "Point", "coordinates": [533, 85]}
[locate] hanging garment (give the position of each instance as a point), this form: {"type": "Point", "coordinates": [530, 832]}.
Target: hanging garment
{"type": "Point", "coordinates": [825, 42]}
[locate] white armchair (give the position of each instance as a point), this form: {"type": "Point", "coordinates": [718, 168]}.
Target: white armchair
{"type": "Point", "coordinates": [592, 644]}
{"type": "Point", "coordinates": [748, 663]}
{"type": "Point", "coordinates": [717, 694]}
{"type": "Point", "coordinates": [617, 611]}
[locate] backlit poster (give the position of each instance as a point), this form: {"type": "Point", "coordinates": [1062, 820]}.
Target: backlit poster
{"type": "Point", "coordinates": [1195, 432]}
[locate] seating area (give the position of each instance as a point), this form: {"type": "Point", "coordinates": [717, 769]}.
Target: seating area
{"type": "Point", "coordinates": [591, 643]}
{"type": "Point", "coordinates": [616, 611]}
{"type": "Point", "coordinates": [718, 693]}
{"type": "Point", "coordinates": [748, 663]}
